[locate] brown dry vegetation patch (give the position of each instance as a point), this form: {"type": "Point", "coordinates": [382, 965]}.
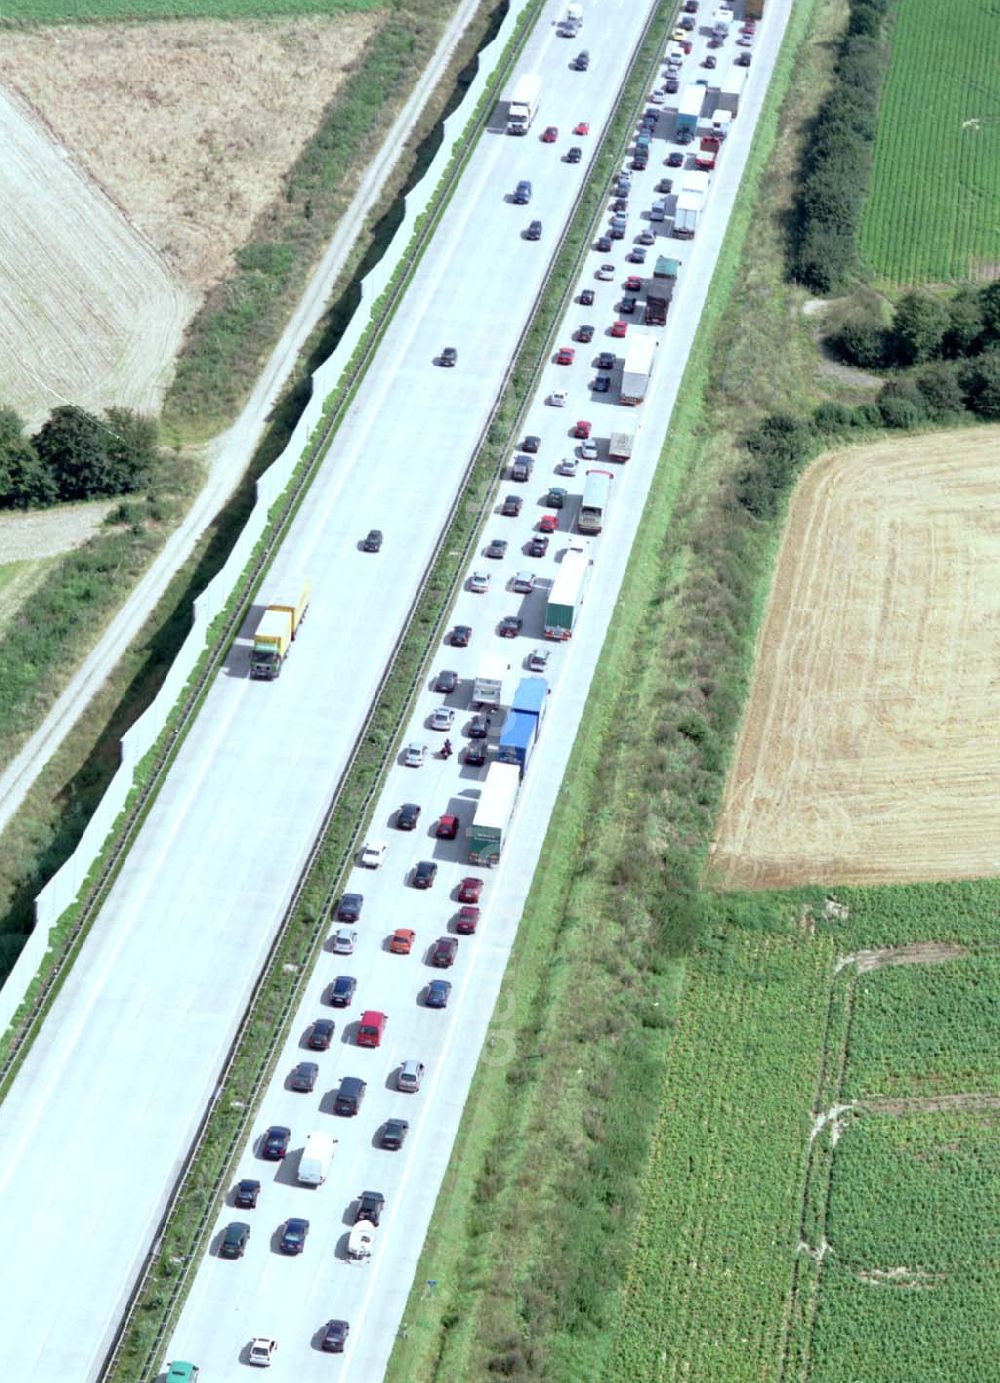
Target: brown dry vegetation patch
{"type": "Point", "coordinates": [869, 752]}
{"type": "Point", "coordinates": [899, 1108]}
{"type": "Point", "coordinates": [916, 953]}
{"type": "Point", "coordinates": [190, 126]}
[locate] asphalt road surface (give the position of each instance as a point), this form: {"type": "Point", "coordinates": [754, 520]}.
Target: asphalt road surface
{"type": "Point", "coordinates": [98, 1120]}
{"type": "Point", "coordinates": [266, 1293]}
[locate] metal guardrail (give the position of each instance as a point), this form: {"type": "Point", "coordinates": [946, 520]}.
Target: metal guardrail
{"type": "Point", "coordinates": [191, 704]}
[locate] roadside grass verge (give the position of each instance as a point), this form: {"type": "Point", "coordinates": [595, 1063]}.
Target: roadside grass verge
{"type": "Point", "coordinates": [104, 11]}
{"type": "Point", "coordinates": [936, 220]}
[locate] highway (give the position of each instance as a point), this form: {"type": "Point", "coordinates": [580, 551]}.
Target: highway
{"type": "Point", "coordinates": [97, 1123]}
{"type": "Point", "coordinates": [291, 1299]}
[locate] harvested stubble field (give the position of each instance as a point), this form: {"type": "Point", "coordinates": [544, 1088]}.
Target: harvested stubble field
{"type": "Point", "coordinates": [178, 136]}
{"type": "Point", "coordinates": [869, 752]}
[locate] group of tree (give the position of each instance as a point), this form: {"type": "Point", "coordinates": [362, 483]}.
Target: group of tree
{"type": "Point", "coordinates": [834, 181]}
{"type": "Point", "coordinates": [75, 455]}
{"type": "Point", "coordinates": [923, 327]}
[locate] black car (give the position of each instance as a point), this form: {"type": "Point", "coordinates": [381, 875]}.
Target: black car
{"type": "Point", "coordinates": [335, 1336]}
{"type": "Point", "coordinates": [496, 548]}
{"type": "Point", "coordinates": [510, 509]}
{"type": "Point", "coordinates": [627, 304]}
{"type": "Point", "coordinates": [475, 754]}
{"type": "Point", "coordinates": [394, 1134]}
{"type": "Point", "coordinates": [460, 636]}
{"type": "Point", "coordinates": [601, 384]}
{"type": "Point", "coordinates": [534, 231]}
{"type": "Point", "coordinates": [684, 136]}
{"type": "Point", "coordinates": [449, 356]}
{"type": "Point", "coordinates": [675, 159]}
{"type": "Point", "coordinates": [350, 1096]}
{"type": "Point", "coordinates": [743, 59]}
{"type": "Point", "coordinates": [321, 1034]}
{"type": "Point", "coordinates": [370, 1206]}
{"type": "Point", "coordinates": [293, 1240]}
{"type": "Point", "coordinates": [574, 154]}
{"type": "Point", "coordinates": [424, 874]}
{"type": "Point", "coordinates": [582, 61]}
{"type": "Point", "coordinates": [350, 907]}
{"type": "Point", "coordinates": [444, 952]}
{"type": "Point", "coordinates": [521, 469]}
{"type": "Point", "coordinates": [234, 1241]}
{"type": "Point", "coordinates": [603, 244]}
{"type": "Point", "coordinates": [407, 817]}
{"type": "Point", "coordinates": [510, 626]}
{"type": "Point", "coordinates": [665, 185]}
{"type": "Point", "coordinates": [711, 61]}
{"type": "Point", "coordinates": [618, 232]}
{"type": "Point", "coordinates": [619, 204]}
{"type": "Point", "coordinates": [437, 994]}
{"type": "Point", "coordinates": [373, 543]}
{"type": "Point", "coordinates": [342, 991]}
{"type": "Point", "coordinates": [538, 546]}
{"type": "Point", "coordinates": [585, 333]}
{"type": "Point", "coordinates": [446, 681]}
{"type": "Point", "coordinates": [671, 86]}
{"type": "Point", "coordinates": [275, 1143]}
{"type": "Point", "coordinates": [479, 728]}
{"type": "Point", "coordinates": [586, 298]}
{"type": "Point", "coordinates": [640, 163]}
{"type": "Point", "coordinates": [531, 444]}
{"type": "Point", "coordinates": [303, 1077]}
{"type": "Point", "coordinates": [605, 361]}
{"type": "Point", "coordinates": [246, 1195]}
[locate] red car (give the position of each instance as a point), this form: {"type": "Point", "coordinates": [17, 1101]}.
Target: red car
{"type": "Point", "coordinates": [582, 128]}
{"type": "Point", "coordinates": [619, 328]}
{"type": "Point", "coordinates": [551, 134]}
{"type": "Point", "coordinates": [633, 284]}
{"type": "Point", "coordinates": [565, 355]}
{"type": "Point", "coordinates": [548, 523]}
{"type": "Point", "coordinates": [467, 921]}
{"type": "Point", "coordinates": [447, 828]}
{"type": "Point", "coordinates": [470, 889]}
{"type": "Point", "coordinates": [582, 428]}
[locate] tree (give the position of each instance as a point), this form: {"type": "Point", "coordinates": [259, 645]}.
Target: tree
{"type": "Point", "coordinates": [918, 328]}
{"type": "Point", "coordinates": [965, 324]}
{"type": "Point", "coordinates": [989, 306]}
{"type": "Point", "coordinates": [861, 340]}
{"type": "Point", "coordinates": [131, 449]}
{"type": "Point", "coordinates": [24, 481]}
{"type": "Point", "coordinates": [73, 447]}
{"type": "Point", "coordinates": [941, 390]}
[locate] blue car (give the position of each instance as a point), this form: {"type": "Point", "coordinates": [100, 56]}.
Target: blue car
{"type": "Point", "coordinates": [438, 994]}
{"type": "Point", "coordinates": [342, 991]}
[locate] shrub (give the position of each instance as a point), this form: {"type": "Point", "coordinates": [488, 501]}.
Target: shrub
{"type": "Point", "coordinates": [775, 449]}
{"type": "Point", "coordinates": [900, 413]}
{"type": "Point", "coordinates": [965, 324]}
{"type": "Point", "coordinates": [918, 328]}
{"type": "Point", "coordinates": [862, 340]}
{"type": "Point", "coordinates": [942, 393]}
{"type": "Point", "coordinates": [834, 417]}
{"type": "Point", "coordinates": [981, 381]}
{"type": "Point", "coordinates": [989, 307]}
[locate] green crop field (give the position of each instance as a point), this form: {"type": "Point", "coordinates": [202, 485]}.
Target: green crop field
{"type": "Point", "coordinates": [933, 210]}
{"type": "Point", "coordinates": [775, 1244]}
{"type": "Point", "coordinates": [101, 11]}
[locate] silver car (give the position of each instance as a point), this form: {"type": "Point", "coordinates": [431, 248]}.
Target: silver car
{"type": "Point", "coordinates": [411, 1073]}
{"type": "Point", "coordinates": [443, 718]}
{"type": "Point", "coordinates": [344, 941]}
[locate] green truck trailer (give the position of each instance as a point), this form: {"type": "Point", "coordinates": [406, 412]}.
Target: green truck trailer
{"type": "Point", "coordinates": [274, 634]}
{"type": "Point", "coordinates": [490, 825]}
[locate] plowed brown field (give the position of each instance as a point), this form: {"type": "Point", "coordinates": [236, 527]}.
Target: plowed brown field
{"type": "Point", "coordinates": [870, 750]}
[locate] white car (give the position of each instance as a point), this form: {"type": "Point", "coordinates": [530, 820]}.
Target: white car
{"type": "Point", "coordinates": [606, 273]}
{"type": "Point", "coordinates": [344, 941]}
{"type": "Point", "coordinates": [372, 854]}
{"type": "Point", "coordinates": [588, 449]}
{"type": "Point", "coordinates": [538, 660]}
{"type": "Point", "coordinates": [443, 718]}
{"type": "Point", "coordinates": [657, 97]}
{"type": "Point", "coordinates": [523, 582]}
{"type": "Point", "coordinates": [569, 465]}
{"type": "Point", "coordinates": [261, 1352]}
{"type": "Point", "coordinates": [415, 755]}
{"type": "Point", "coordinates": [479, 582]}
{"type": "Point", "coordinates": [558, 398]}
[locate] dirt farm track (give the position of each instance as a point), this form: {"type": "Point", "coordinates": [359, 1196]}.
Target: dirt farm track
{"type": "Point", "coordinates": [870, 749]}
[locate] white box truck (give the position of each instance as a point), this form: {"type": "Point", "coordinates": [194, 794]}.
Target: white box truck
{"type": "Point", "coordinates": [638, 366]}
{"type": "Point", "coordinates": [314, 1164]}
{"type": "Point", "coordinates": [487, 689]}
{"type": "Point", "coordinates": [690, 204]}
{"type": "Point", "coordinates": [523, 105]}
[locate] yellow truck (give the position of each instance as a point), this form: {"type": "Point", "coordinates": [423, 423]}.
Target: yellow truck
{"type": "Point", "coordinates": [274, 634]}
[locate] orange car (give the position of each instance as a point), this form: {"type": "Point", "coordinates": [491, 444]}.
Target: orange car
{"type": "Point", "coordinates": [401, 941]}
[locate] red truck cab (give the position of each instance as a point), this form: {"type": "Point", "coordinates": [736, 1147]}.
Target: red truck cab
{"type": "Point", "coordinates": [371, 1028]}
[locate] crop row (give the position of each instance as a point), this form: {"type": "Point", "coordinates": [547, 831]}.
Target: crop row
{"type": "Point", "coordinates": [932, 205]}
